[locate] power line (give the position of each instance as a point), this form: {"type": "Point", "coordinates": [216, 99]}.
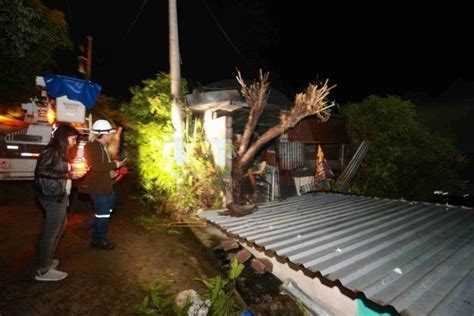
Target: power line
{"type": "Point", "coordinates": [69, 11]}
{"type": "Point", "coordinates": [223, 32]}
{"type": "Point", "coordinates": [136, 18]}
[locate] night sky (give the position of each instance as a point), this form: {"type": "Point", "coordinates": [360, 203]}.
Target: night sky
{"type": "Point", "coordinates": [383, 49]}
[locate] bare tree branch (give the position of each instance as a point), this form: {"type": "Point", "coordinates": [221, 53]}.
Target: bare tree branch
{"type": "Point", "coordinates": [256, 96]}
{"type": "Point", "coordinates": [313, 102]}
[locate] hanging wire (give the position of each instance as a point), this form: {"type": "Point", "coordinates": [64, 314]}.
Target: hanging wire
{"type": "Point", "coordinates": [136, 18]}
{"type": "Point", "coordinates": [225, 34]}
{"type": "Point", "coordinates": [69, 11]}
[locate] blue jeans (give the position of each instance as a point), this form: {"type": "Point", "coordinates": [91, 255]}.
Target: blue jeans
{"type": "Point", "coordinates": [103, 205]}
{"type": "Point", "coordinates": [54, 225]}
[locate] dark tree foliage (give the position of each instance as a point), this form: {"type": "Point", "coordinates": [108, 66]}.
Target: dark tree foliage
{"type": "Point", "coordinates": [405, 160]}
{"type": "Point", "coordinates": [30, 33]}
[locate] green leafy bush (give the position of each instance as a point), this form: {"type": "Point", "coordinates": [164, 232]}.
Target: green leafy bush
{"type": "Point", "coordinates": [172, 188]}
{"type": "Point", "coordinates": [404, 159]}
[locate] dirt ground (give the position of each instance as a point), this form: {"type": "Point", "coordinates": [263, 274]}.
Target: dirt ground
{"type": "Point", "coordinates": [100, 282]}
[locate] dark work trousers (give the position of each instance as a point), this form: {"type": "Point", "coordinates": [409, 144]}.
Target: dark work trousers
{"type": "Point", "coordinates": [54, 225]}
{"type": "Point", "coordinates": [103, 205]}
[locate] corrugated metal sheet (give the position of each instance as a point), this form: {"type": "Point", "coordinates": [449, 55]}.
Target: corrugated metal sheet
{"type": "Point", "coordinates": [416, 257]}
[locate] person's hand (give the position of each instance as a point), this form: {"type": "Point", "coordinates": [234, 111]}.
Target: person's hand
{"type": "Point", "coordinates": [78, 174]}
{"type": "Point", "coordinates": [79, 169]}
{"type": "Point", "coordinates": [118, 164]}
{"type": "Point", "coordinates": [113, 174]}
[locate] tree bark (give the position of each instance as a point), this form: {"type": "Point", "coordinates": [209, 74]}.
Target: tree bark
{"type": "Point", "coordinates": [256, 96]}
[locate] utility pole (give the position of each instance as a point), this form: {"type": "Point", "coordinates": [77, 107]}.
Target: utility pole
{"type": "Point", "coordinates": [84, 66]}
{"type": "Point", "coordinates": [175, 74]}
{"type": "Point", "coordinates": [84, 63]}
{"type": "Point", "coordinates": [89, 58]}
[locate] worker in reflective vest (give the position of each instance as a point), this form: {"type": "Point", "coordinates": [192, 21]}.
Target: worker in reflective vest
{"type": "Point", "coordinates": [98, 182]}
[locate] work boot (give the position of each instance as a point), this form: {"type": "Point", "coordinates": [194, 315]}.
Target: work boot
{"type": "Point", "coordinates": [103, 244]}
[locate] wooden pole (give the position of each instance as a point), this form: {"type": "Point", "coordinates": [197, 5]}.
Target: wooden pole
{"type": "Point", "coordinates": [89, 58]}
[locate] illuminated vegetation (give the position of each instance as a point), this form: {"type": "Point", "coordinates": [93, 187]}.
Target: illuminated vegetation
{"type": "Point", "coordinates": [166, 186]}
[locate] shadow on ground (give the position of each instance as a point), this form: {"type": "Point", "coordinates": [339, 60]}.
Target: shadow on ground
{"type": "Point", "coordinates": [99, 282]}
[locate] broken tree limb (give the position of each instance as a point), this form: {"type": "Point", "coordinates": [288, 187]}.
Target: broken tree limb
{"type": "Point", "coordinates": [313, 101]}
{"type": "Point", "coordinates": [256, 96]}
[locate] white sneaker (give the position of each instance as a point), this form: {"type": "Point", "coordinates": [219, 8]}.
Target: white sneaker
{"type": "Point", "coordinates": [54, 264]}
{"type": "Point", "coordinates": [51, 275]}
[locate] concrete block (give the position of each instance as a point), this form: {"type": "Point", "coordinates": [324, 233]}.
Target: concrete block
{"type": "Point", "coordinates": [243, 255]}
{"type": "Point", "coordinates": [229, 244]}
{"type": "Point", "coordinates": [261, 265]}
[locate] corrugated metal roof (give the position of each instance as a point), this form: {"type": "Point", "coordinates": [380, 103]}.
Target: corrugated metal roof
{"type": "Point", "coordinates": [417, 257]}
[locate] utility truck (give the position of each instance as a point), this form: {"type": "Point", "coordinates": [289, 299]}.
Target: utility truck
{"type": "Point", "coordinates": [60, 99]}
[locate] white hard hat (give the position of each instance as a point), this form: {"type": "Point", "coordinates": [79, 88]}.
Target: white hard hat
{"type": "Point", "coordinates": [102, 127]}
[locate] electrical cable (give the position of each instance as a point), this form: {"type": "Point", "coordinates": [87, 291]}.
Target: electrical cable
{"type": "Point", "coordinates": [69, 11]}
{"type": "Point", "coordinates": [223, 32]}
{"type": "Point", "coordinates": [136, 18]}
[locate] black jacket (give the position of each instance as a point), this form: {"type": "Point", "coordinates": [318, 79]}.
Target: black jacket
{"type": "Point", "coordinates": [97, 180]}
{"type": "Point", "coordinates": [51, 173]}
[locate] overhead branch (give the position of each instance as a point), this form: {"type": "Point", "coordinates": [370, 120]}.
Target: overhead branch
{"type": "Point", "coordinates": [312, 102]}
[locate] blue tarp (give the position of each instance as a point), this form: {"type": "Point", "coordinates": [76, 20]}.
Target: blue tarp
{"type": "Point", "coordinates": [75, 89]}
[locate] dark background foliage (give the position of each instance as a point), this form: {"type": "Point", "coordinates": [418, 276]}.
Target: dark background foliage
{"type": "Point", "coordinates": [405, 159]}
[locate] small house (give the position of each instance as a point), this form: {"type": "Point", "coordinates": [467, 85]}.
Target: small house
{"type": "Point", "coordinates": [290, 159]}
